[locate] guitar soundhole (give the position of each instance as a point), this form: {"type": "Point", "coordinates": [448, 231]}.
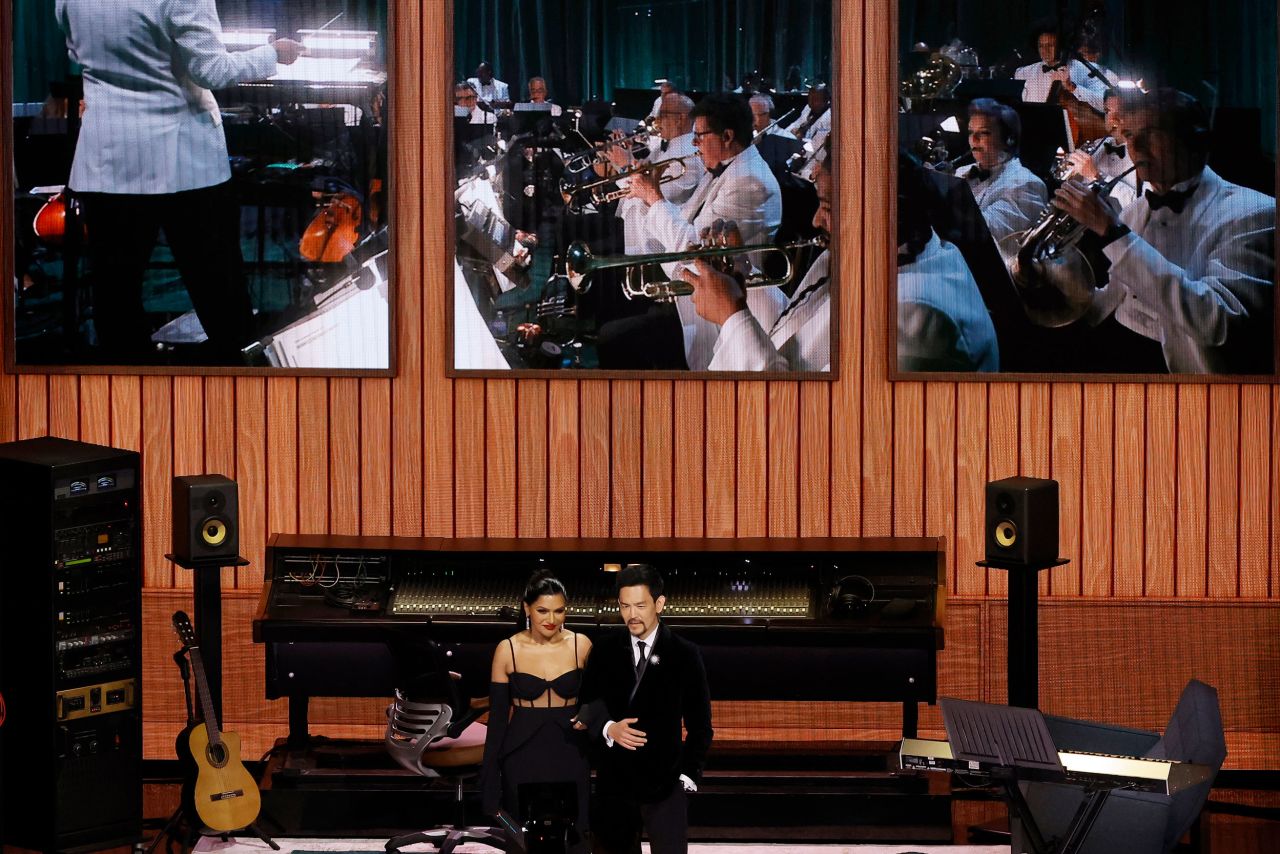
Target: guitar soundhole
{"type": "Point", "coordinates": [217, 754]}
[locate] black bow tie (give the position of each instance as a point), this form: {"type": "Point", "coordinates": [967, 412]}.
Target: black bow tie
{"type": "Point", "coordinates": [1047, 68]}
{"type": "Point", "coordinates": [665, 144]}
{"type": "Point", "coordinates": [1174, 200]}
{"type": "Point", "coordinates": [977, 173]}
{"type": "Point", "coordinates": [717, 171]}
{"type": "Point", "coordinates": [1113, 148]}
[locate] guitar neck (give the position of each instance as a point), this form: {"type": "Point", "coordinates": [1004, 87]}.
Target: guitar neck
{"type": "Point", "coordinates": [206, 700]}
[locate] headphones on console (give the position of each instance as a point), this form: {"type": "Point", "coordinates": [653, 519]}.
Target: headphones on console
{"type": "Point", "coordinates": [850, 596]}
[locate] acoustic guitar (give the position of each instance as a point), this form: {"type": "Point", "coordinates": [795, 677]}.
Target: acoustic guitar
{"type": "Point", "coordinates": [217, 787]}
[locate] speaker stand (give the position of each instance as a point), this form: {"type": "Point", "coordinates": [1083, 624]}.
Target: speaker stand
{"type": "Point", "coordinates": [1024, 629]}
{"type": "Point", "coordinates": [207, 583]}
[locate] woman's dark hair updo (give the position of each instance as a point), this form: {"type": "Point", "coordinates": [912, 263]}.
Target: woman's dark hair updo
{"type": "Point", "coordinates": [543, 583]}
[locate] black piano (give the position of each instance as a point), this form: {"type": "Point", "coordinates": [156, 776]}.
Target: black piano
{"type": "Point", "coordinates": [776, 619]}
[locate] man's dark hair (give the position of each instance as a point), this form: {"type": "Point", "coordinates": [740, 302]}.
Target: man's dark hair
{"type": "Point", "coordinates": [641, 573]}
{"type": "Point", "coordinates": [1042, 26]}
{"type": "Point", "coordinates": [1006, 119]}
{"type": "Point", "coordinates": [726, 111]}
{"type": "Point", "coordinates": [1181, 115]}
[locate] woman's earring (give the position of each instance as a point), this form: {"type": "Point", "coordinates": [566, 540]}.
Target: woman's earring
{"type": "Point", "coordinates": [528, 622]}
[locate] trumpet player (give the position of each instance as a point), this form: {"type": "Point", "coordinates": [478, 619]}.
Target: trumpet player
{"type": "Point", "coordinates": [1192, 260]}
{"type": "Point", "coordinates": [1008, 194]}
{"type": "Point", "coordinates": [800, 338]}
{"type": "Point", "coordinates": [1109, 157]}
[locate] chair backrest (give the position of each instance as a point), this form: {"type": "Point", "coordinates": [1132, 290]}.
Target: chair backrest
{"type": "Point", "coordinates": [1194, 734]}
{"type": "Point", "coordinates": [412, 727]}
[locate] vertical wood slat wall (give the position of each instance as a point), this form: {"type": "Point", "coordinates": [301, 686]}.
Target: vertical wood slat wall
{"type": "Point", "coordinates": [1167, 490]}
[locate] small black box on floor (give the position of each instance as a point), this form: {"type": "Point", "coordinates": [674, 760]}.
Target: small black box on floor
{"type": "Point", "coordinates": [1022, 521]}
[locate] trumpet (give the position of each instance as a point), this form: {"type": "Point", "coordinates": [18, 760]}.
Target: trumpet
{"type": "Point", "coordinates": [633, 143]}
{"type": "Point", "coordinates": [578, 196]}
{"type": "Point", "coordinates": [580, 263]}
{"type": "Point", "coordinates": [1064, 169]}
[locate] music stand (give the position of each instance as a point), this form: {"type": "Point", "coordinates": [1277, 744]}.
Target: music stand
{"type": "Point", "coordinates": [1014, 742]}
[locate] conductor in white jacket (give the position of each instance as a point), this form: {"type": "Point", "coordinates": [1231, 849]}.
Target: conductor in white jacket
{"type": "Point", "coordinates": [152, 154]}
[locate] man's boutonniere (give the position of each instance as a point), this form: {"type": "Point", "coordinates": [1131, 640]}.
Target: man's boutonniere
{"type": "Point", "coordinates": [654, 661]}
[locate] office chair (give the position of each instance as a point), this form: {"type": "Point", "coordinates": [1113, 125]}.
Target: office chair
{"type": "Point", "coordinates": [440, 738]}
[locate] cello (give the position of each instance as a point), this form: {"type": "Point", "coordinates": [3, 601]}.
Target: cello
{"type": "Point", "coordinates": [334, 230]}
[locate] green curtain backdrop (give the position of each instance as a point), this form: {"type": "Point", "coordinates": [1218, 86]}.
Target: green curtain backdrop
{"type": "Point", "coordinates": [588, 48]}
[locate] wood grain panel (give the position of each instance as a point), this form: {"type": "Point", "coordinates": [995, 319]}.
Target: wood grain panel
{"type": "Point", "coordinates": [313, 455]}
{"type": "Point", "coordinates": [814, 440]}
{"type": "Point", "coordinates": [468, 453]}
{"type": "Point", "coordinates": [95, 409]}
{"type": "Point", "coordinates": [344, 455]}
{"type": "Point", "coordinates": [1274, 504]}
{"type": "Point", "coordinates": [8, 404]}
{"type": "Point", "coordinates": [1002, 454]}
{"type": "Point", "coordinates": [689, 511]}
{"type": "Point", "coordinates": [1191, 562]}
{"type": "Point", "coordinates": [1097, 491]}
{"type": "Point", "coordinates": [940, 469]}
{"type": "Point", "coordinates": [908, 459]}
{"type": "Point", "coordinates": [1257, 438]}
{"type": "Point", "coordinates": [657, 466]}
{"type": "Point", "coordinates": [376, 476]}
{"type": "Point", "coordinates": [562, 465]}
{"type": "Point", "coordinates": [721, 456]}
{"type": "Point", "coordinates": [1068, 428]}
{"type": "Point", "coordinates": [784, 465]}
{"type": "Point", "coordinates": [64, 406]}
{"type": "Point", "coordinates": [1035, 444]}
{"type": "Point", "coordinates": [1224, 490]}
{"type": "Point", "coordinates": [971, 479]}
{"type": "Point", "coordinates": [500, 458]}
{"type": "Point", "coordinates": [282, 455]}
{"type": "Point", "coordinates": [594, 446]}
{"type": "Point", "coordinates": [157, 474]}
{"type": "Point", "coordinates": [126, 412]}
{"type": "Point", "coordinates": [33, 406]}
{"type": "Point", "coordinates": [1129, 523]}
{"type": "Point", "coordinates": [249, 468]}
{"type": "Point", "coordinates": [531, 458]}
{"type": "Point", "coordinates": [1160, 507]}
{"type": "Point", "coordinates": [220, 414]}
{"type": "Point", "coordinates": [627, 449]}
{"type": "Point", "coordinates": [752, 461]}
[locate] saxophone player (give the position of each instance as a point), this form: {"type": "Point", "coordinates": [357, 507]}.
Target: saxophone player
{"type": "Point", "coordinates": [1193, 259]}
{"type": "Point", "coordinates": [1109, 158]}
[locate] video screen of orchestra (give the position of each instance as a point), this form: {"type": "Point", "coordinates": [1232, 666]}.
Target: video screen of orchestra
{"type": "Point", "coordinates": [201, 183]}
{"type": "Point", "coordinates": [1088, 192]}
{"type": "Point", "coordinates": [643, 185]}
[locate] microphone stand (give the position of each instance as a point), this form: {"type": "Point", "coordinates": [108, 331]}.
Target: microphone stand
{"type": "Point", "coordinates": [179, 815]}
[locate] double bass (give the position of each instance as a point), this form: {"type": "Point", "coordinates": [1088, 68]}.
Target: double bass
{"type": "Point", "coordinates": [334, 230]}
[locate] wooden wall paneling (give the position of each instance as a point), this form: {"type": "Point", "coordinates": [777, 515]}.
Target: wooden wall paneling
{"type": "Point", "coordinates": [64, 406]}
{"type": "Point", "coordinates": [908, 459]}
{"type": "Point", "coordinates": [659, 439]}
{"type": "Point", "coordinates": [783, 449]}
{"type": "Point", "coordinates": [220, 417]}
{"type": "Point", "coordinates": [468, 436]}
{"type": "Point", "coordinates": [940, 469]}
{"type": "Point", "coordinates": [690, 460]}
{"type": "Point", "coordinates": [1224, 490]}
{"type": "Point", "coordinates": [249, 468]}
{"type": "Point", "coordinates": [1035, 443]}
{"type": "Point", "coordinates": [721, 457]}
{"type": "Point", "coordinates": [33, 406]}
{"type": "Point", "coordinates": [594, 415]}
{"type": "Point", "coordinates": [408, 203]}
{"type": "Point", "coordinates": [1066, 467]}
{"type": "Point", "coordinates": [1256, 446]}
{"type": "Point", "coordinates": [1128, 570]}
{"type": "Point", "coordinates": [344, 455]}
{"type": "Point", "coordinates": [376, 457]}
{"type": "Point", "coordinates": [8, 406]}
{"type": "Point", "coordinates": [500, 505]}
{"type": "Point", "coordinates": [532, 476]}
{"type": "Point", "coordinates": [753, 457]}
{"type": "Point", "coordinates": [1098, 470]}
{"type": "Point", "coordinates": [814, 440]}
{"type": "Point", "coordinates": [626, 503]}
{"type": "Point", "coordinates": [562, 458]}
{"type": "Point", "coordinates": [850, 242]}
{"type": "Point", "coordinates": [188, 441]}
{"type": "Point", "coordinates": [126, 412]}
{"type": "Point", "coordinates": [95, 409]}
{"type": "Point", "coordinates": [313, 455]}
{"type": "Point", "coordinates": [282, 455]}
{"type": "Point", "coordinates": [1161, 489]}
{"type": "Point", "coordinates": [1003, 422]}
{"type": "Point", "coordinates": [157, 477]}
{"type": "Point", "coordinates": [1274, 504]}
{"type": "Point", "coordinates": [971, 480]}
{"type": "Point", "coordinates": [1191, 561]}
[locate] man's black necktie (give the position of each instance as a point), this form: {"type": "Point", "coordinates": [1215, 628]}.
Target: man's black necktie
{"type": "Point", "coordinates": [1118, 149]}
{"type": "Point", "coordinates": [640, 660]}
{"type": "Point", "coordinates": [977, 173]}
{"type": "Point", "coordinates": [1174, 200]}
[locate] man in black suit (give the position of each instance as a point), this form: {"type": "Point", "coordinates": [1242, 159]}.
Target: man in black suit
{"type": "Point", "coordinates": [639, 689]}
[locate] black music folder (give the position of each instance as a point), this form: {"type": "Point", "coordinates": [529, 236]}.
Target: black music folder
{"type": "Point", "coordinates": [1008, 736]}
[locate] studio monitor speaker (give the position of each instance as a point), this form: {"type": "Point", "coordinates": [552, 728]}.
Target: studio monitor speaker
{"type": "Point", "coordinates": [1022, 521]}
{"type": "Point", "coordinates": [206, 518]}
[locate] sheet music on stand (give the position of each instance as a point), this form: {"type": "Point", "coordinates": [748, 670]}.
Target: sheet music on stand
{"type": "Point", "coordinates": [1009, 736]}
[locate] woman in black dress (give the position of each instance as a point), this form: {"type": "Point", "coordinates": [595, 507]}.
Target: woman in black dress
{"type": "Point", "coordinates": [533, 698]}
